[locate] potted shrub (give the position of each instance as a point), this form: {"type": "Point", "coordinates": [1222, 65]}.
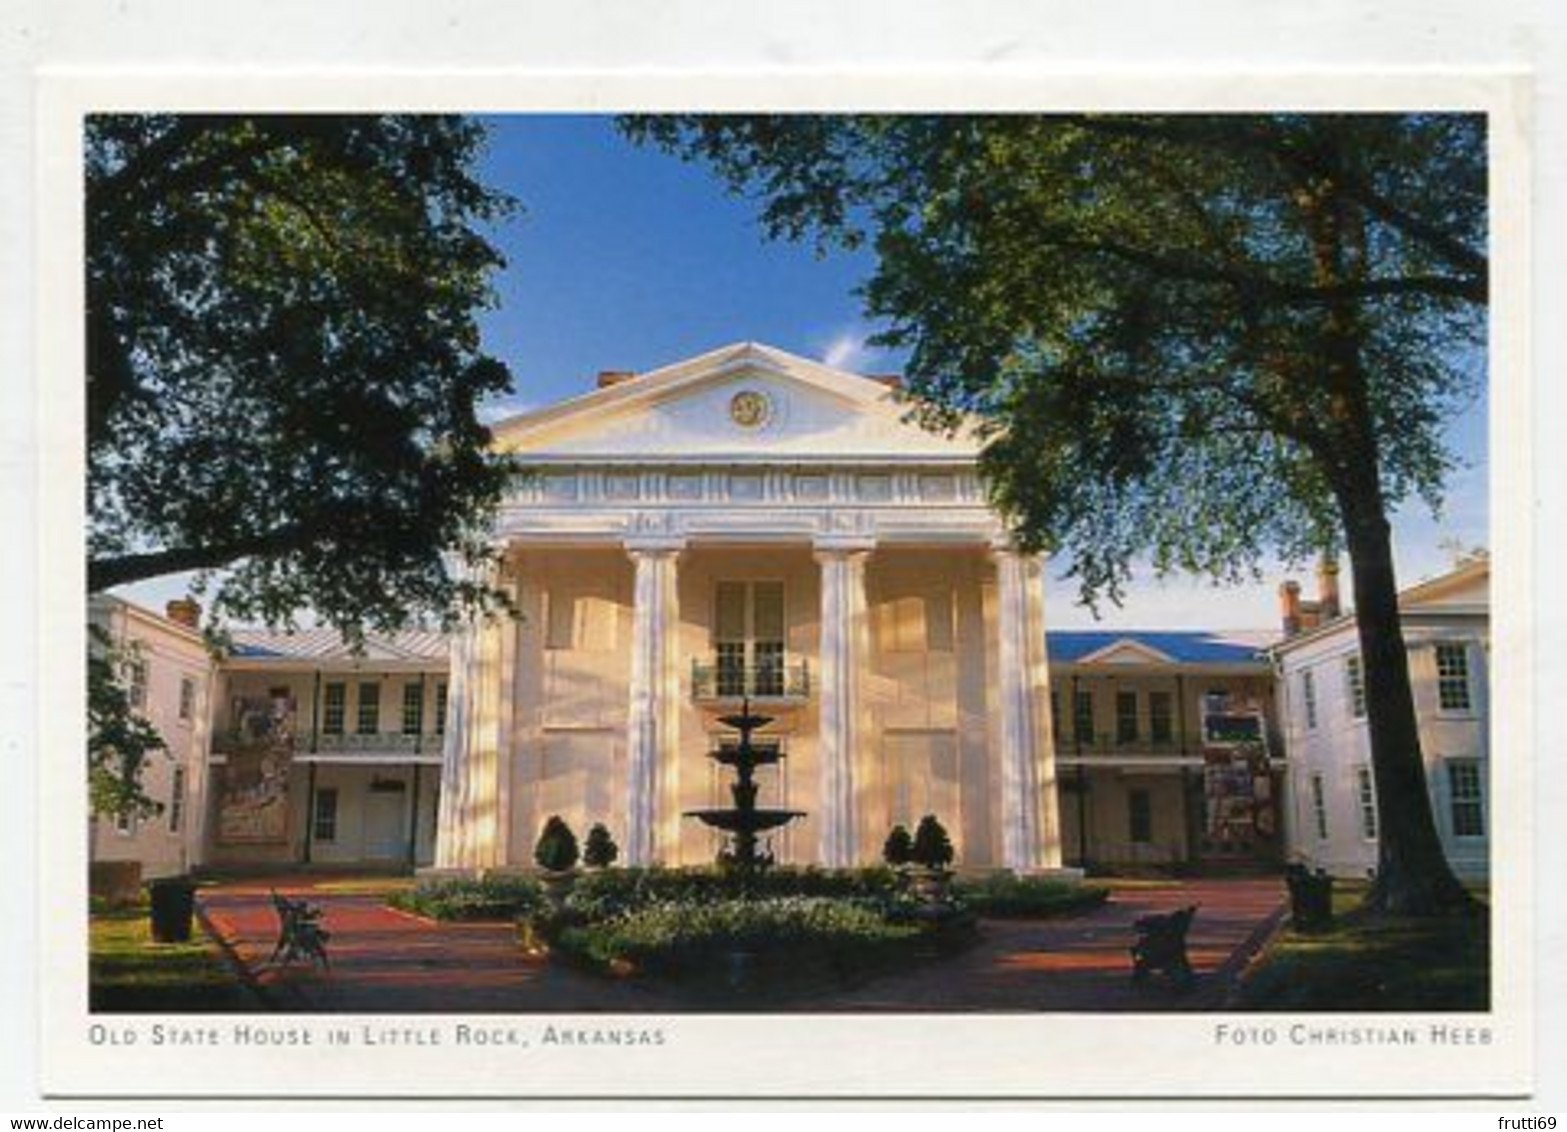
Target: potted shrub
{"type": "Point", "coordinates": [898, 849]}
{"type": "Point", "coordinates": [556, 853]}
{"type": "Point", "coordinates": [931, 853]}
{"type": "Point", "coordinates": [600, 850]}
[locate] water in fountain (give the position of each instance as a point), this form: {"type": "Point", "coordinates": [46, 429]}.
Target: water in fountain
{"type": "Point", "coordinates": [744, 820]}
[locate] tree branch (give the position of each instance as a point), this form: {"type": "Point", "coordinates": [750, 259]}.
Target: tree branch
{"type": "Point", "coordinates": [119, 570]}
{"type": "Point", "coordinates": [1261, 288]}
{"type": "Point", "coordinates": [1457, 253]}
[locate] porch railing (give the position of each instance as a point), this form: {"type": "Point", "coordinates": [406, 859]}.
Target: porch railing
{"type": "Point", "coordinates": [732, 680]}
{"type": "Point", "coordinates": [348, 743]}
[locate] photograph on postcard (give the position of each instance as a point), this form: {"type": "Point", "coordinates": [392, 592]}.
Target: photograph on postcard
{"type": "Point", "coordinates": [589, 570]}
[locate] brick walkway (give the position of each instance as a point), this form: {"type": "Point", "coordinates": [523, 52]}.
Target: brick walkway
{"type": "Point", "coordinates": [384, 961]}
{"type": "Point", "coordinates": [1081, 963]}
{"type": "Point", "coordinates": [388, 962]}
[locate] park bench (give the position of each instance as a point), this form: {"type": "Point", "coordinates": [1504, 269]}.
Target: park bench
{"type": "Point", "coordinates": [300, 934]}
{"type": "Point", "coordinates": [1161, 946]}
{"type": "Point", "coordinates": [1311, 898]}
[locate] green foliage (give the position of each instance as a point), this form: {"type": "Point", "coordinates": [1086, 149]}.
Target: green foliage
{"type": "Point", "coordinates": [600, 850]}
{"type": "Point", "coordinates": [602, 895]}
{"type": "Point", "coordinates": [487, 898]}
{"type": "Point", "coordinates": [932, 847]}
{"type": "Point", "coordinates": [284, 361]}
{"type": "Point", "coordinates": [1005, 894]}
{"type": "Point", "coordinates": [898, 848]}
{"type": "Point", "coordinates": [1145, 311]}
{"type": "Point", "coordinates": [129, 973]}
{"type": "Point", "coordinates": [556, 850]}
{"type": "Point", "coordinates": [119, 740]}
{"type": "Point", "coordinates": [1427, 964]}
{"type": "Point", "coordinates": [670, 938]}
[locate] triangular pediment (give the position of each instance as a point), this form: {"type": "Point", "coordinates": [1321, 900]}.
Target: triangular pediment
{"type": "Point", "coordinates": [1127, 651]}
{"type": "Point", "coordinates": [1468, 586]}
{"type": "Point", "coordinates": [742, 403]}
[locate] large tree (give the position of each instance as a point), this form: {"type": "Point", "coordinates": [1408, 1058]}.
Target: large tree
{"type": "Point", "coordinates": [1196, 339]}
{"type": "Point", "coordinates": [284, 360]}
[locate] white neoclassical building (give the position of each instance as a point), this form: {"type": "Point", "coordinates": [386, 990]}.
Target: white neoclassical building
{"type": "Point", "coordinates": [751, 523]}
{"type": "Point", "coordinates": [1321, 687]}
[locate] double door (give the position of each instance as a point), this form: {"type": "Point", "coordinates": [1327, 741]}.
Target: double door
{"type": "Point", "coordinates": [748, 638]}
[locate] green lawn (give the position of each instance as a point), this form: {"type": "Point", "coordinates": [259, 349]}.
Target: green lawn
{"type": "Point", "coordinates": [129, 973]}
{"type": "Point", "coordinates": [1375, 964]}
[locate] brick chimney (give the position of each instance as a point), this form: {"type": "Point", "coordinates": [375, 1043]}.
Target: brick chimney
{"type": "Point", "coordinates": [1328, 603]}
{"type": "Point", "coordinates": [608, 377]}
{"type": "Point", "coordinates": [184, 611]}
{"type": "Point", "coordinates": [1289, 608]}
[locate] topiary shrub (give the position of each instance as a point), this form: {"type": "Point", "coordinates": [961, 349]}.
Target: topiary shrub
{"type": "Point", "coordinates": [600, 850]}
{"type": "Point", "coordinates": [556, 851]}
{"type": "Point", "coordinates": [932, 847]}
{"type": "Point", "coordinates": [899, 847]}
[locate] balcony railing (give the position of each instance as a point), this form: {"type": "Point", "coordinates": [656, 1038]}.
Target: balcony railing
{"type": "Point", "coordinates": [1217, 731]}
{"type": "Point", "coordinates": [352, 744]}
{"type": "Point", "coordinates": [1109, 744]}
{"type": "Point", "coordinates": [731, 680]}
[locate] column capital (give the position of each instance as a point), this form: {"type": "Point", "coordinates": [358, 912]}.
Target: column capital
{"type": "Point", "coordinates": [653, 545]}
{"type": "Point", "coordinates": [840, 546]}
{"type": "Point", "coordinates": [1004, 546]}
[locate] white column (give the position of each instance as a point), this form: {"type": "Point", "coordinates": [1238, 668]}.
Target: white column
{"type": "Point", "coordinates": [449, 811]}
{"type": "Point", "coordinates": [476, 758]}
{"type": "Point", "coordinates": [843, 654]}
{"type": "Point", "coordinates": [652, 725]}
{"type": "Point", "coordinates": [1030, 808]}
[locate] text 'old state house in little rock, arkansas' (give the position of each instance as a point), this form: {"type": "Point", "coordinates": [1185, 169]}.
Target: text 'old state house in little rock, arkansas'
{"type": "Point", "coordinates": [751, 525]}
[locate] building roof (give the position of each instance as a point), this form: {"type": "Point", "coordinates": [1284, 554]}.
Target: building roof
{"type": "Point", "coordinates": [1179, 646]}
{"type": "Point", "coordinates": [683, 413]}
{"type": "Point", "coordinates": [1429, 595]}
{"type": "Point", "coordinates": [326, 646]}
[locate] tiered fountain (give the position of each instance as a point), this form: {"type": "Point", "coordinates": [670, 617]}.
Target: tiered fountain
{"type": "Point", "coordinates": [745, 820]}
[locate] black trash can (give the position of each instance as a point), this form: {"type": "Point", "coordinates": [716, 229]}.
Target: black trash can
{"type": "Point", "coordinates": [173, 901]}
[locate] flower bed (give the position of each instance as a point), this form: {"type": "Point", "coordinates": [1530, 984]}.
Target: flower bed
{"type": "Point", "coordinates": [455, 898]}
{"type": "Point", "coordinates": [602, 895]}
{"type": "Point", "coordinates": [669, 938]}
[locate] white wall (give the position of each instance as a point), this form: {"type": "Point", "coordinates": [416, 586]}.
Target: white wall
{"type": "Point", "coordinates": [1340, 743]}
{"type": "Point", "coordinates": [171, 654]}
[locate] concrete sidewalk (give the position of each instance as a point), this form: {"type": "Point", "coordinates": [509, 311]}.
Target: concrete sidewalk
{"type": "Point", "coordinates": [386, 961]}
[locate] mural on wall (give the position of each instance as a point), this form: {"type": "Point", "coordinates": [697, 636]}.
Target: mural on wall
{"type": "Point", "coordinates": [1240, 813]}
{"type": "Point", "coordinates": [253, 806]}
{"type": "Point", "coordinates": [1238, 803]}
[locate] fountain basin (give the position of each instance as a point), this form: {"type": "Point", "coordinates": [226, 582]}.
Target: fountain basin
{"type": "Point", "coordinates": [741, 821]}
{"type": "Point", "coordinates": [758, 755]}
{"type": "Point", "coordinates": [745, 722]}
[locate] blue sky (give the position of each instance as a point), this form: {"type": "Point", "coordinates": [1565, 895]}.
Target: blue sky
{"type": "Point", "coordinates": [625, 258]}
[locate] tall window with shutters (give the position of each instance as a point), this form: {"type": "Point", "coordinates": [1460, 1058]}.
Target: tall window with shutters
{"type": "Point", "coordinates": [369, 720]}
{"type": "Point", "coordinates": [1355, 687]}
{"type": "Point", "coordinates": [1452, 678]}
{"type": "Point", "coordinates": [1465, 795]}
{"type": "Point", "coordinates": [413, 707]}
{"type": "Point", "coordinates": [334, 708]}
{"type": "Point", "coordinates": [1366, 798]}
{"type": "Point", "coordinates": [748, 638]}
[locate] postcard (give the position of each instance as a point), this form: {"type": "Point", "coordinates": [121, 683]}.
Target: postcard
{"type": "Point", "coordinates": [768, 586]}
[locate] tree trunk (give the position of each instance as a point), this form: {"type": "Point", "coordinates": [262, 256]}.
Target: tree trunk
{"type": "Point", "coordinates": [1413, 876]}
